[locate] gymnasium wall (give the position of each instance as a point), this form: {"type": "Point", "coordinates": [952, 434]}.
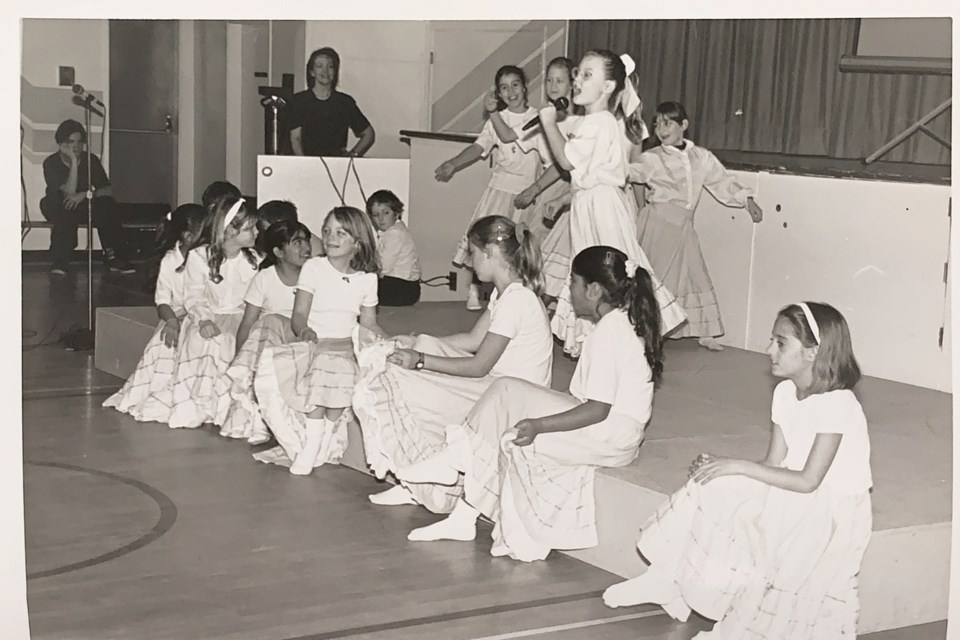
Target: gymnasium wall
{"type": "Point", "coordinates": [46, 45]}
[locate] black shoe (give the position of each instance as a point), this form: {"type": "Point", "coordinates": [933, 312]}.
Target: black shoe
{"type": "Point", "coordinates": [58, 269]}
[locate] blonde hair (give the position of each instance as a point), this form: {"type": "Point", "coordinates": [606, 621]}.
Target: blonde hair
{"type": "Point", "coordinates": [356, 223]}
{"type": "Point", "coordinates": [517, 245]}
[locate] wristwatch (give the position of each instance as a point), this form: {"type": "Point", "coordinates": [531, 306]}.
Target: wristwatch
{"type": "Point", "coordinates": [420, 360]}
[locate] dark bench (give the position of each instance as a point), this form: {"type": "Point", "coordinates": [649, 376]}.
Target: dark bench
{"type": "Point", "coordinates": [142, 221]}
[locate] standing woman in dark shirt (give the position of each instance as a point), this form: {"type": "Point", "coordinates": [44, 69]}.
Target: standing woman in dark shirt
{"type": "Point", "coordinates": [321, 115]}
{"type": "Point", "coordinates": [64, 204]}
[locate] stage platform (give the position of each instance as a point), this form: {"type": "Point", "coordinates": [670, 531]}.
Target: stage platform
{"type": "Point", "coordinates": [720, 403]}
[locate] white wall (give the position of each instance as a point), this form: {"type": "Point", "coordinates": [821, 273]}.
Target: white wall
{"type": "Point", "coordinates": [875, 250]}
{"type": "Point", "coordinates": [383, 65]}
{"type": "Point", "coordinates": [48, 44]}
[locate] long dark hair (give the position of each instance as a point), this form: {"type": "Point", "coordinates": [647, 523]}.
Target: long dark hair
{"type": "Point", "coordinates": [277, 236]}
{"type": "Point", "coordinates": [190, 220]}
{"type": "Point", "coordinates": [608, 268]}
{"type": "Point", "coordinates": [517, 245]}
{"type": "Point", "coordinates": [186, 221]}
{"type": "Point", "coordinates": [834, 367]}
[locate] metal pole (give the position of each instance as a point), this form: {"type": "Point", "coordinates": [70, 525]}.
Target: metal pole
{"type": "Point", "coordinates": [89, 225]}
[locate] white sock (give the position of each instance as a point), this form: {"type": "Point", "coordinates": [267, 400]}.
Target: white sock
{"type": "Point", "coordinates": [436, 470]}
{"type": "Point", "coordinates": [307, 458]}
{"type": "Point", "coordinates": [461, 525]}
{"type": "Point", "coordinates": [650, 588]}
{"type": "Point", "coordinates": [392, 497]}
{"type": "Point", "coordinates": [713, 344]}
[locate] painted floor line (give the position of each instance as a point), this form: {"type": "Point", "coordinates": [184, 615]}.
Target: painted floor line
{"type": "Point", "coordinates": [572, 625]}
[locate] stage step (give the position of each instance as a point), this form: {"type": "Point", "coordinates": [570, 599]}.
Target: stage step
{"type": "Point", "coordinates": [720, 403]}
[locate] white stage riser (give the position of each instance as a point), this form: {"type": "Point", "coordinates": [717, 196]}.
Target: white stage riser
{"type": "Point", "coordinates": [904, 578]}
{"type": "Point", "coordinates": [875, 250]}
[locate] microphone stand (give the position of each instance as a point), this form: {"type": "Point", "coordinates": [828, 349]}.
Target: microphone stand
{"type": "Point", "coordinates": [83, 339]}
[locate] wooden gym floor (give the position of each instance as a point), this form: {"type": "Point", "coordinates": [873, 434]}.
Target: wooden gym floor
{"type": "Point", "coordinates": [138, 531]}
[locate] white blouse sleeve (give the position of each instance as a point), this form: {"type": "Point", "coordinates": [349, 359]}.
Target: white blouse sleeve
{"type": "Point", "coordinates": [196, 274]}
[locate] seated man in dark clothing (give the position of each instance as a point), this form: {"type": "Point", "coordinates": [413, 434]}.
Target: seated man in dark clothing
{"type": "Point", "coordinates": [65, 202]}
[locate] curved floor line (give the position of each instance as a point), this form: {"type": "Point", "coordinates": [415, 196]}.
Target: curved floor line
{"type": "Point", "coordinates": [168, 516]}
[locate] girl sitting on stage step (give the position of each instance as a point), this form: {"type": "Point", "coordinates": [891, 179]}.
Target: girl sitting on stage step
{"type": "Point", "coordinates": [304, 389]}
{"type": "Point", "coordinates": [772, 549]}
{"type": "Point", "coordinates": [266, 323]}
{"type": "Point", "coordinates": [217, 277]}
{"type": "Point", "coordinates": [405, 400]}
{"type": "Point", "coordinates": [528, 453]}
{"type": "Point", "coordinates": [186, 229]}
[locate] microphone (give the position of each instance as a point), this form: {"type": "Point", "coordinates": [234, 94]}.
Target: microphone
{"type": "Point", "coordinates": [560, 103]}
{"type": "Point", "coordinates": [89, 97]}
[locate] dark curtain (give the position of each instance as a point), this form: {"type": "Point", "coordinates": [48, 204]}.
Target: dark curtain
{"type": "Point", "coordinates": [774, 86]}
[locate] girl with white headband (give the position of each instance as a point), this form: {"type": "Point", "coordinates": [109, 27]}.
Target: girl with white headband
{"type": "Point", "coordinates": [676, 172]}
{"type": "Point", "coordinates": [593, 149]}
{"type": "Point", "coordinates": [772, 549]}
{"type": "Point", "coordinates": [528, 453]}
{"type": "Point", "coordinates": [217, 276]}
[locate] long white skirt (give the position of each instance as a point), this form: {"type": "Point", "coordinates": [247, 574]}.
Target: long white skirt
{"type": "Point", "coordinates": [294, 379]}
{"type": "Point", "coordinates": [493, 202]}
{"type": "Point", "coordinates": [762, 561]}
{"type": "Point", "coordinates": [603, 216]}
{"type": "Point", "coordinates": [198, 393]}
{"type": "Point", "coordinates": [152, 378]}
{"type": "Point", "coordinates": [554, 202]}
{"type": "Point", "coordinates": [540, 496]}
{"type": "Point", "coordinates": [404, 415]}
{"type": "Point", "coordinates": [668, 237]}
{"type": "Point", "coordinates": [243, 418]}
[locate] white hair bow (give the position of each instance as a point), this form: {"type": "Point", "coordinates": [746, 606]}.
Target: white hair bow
{"type": "Point", "coordinates": [631, 268]}
{"type": "Point", "coordinates": [630, 101]}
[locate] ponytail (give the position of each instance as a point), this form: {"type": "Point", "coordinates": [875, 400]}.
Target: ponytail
{"type": "Point", "coordinates": [527, 260]}
{"type": "Point", "coordinates": [517, 245]}
{"type": "Point", "coordinates": [629, 287]}
{"type": "Point", "coordinates": [644, 314]}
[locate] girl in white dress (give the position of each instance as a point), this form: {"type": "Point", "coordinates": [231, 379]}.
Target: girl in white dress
{"type": "Point", "coordinates": [548, 197]}
{"type": "Point", "coordinates": [406, 398]}
{"type": "Point", "coordinates": [676, 173]}
{"type": "Point", "coordinates": [304, 388]}
{"type": "Point", "coordinates": [592, 149]}
{"type": "Point", "coordinates": [217, 277]}
{"type": "Point", "coordinates": [514, 167]}
{"type": "Point", "coordinates": [772, 549]}
{"type": "Point", "coordinates": [185, 230]}
{"type": "Point", "coordinates": [266, 323]}
{"type": "Point", "coordinates": [528, 453]}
